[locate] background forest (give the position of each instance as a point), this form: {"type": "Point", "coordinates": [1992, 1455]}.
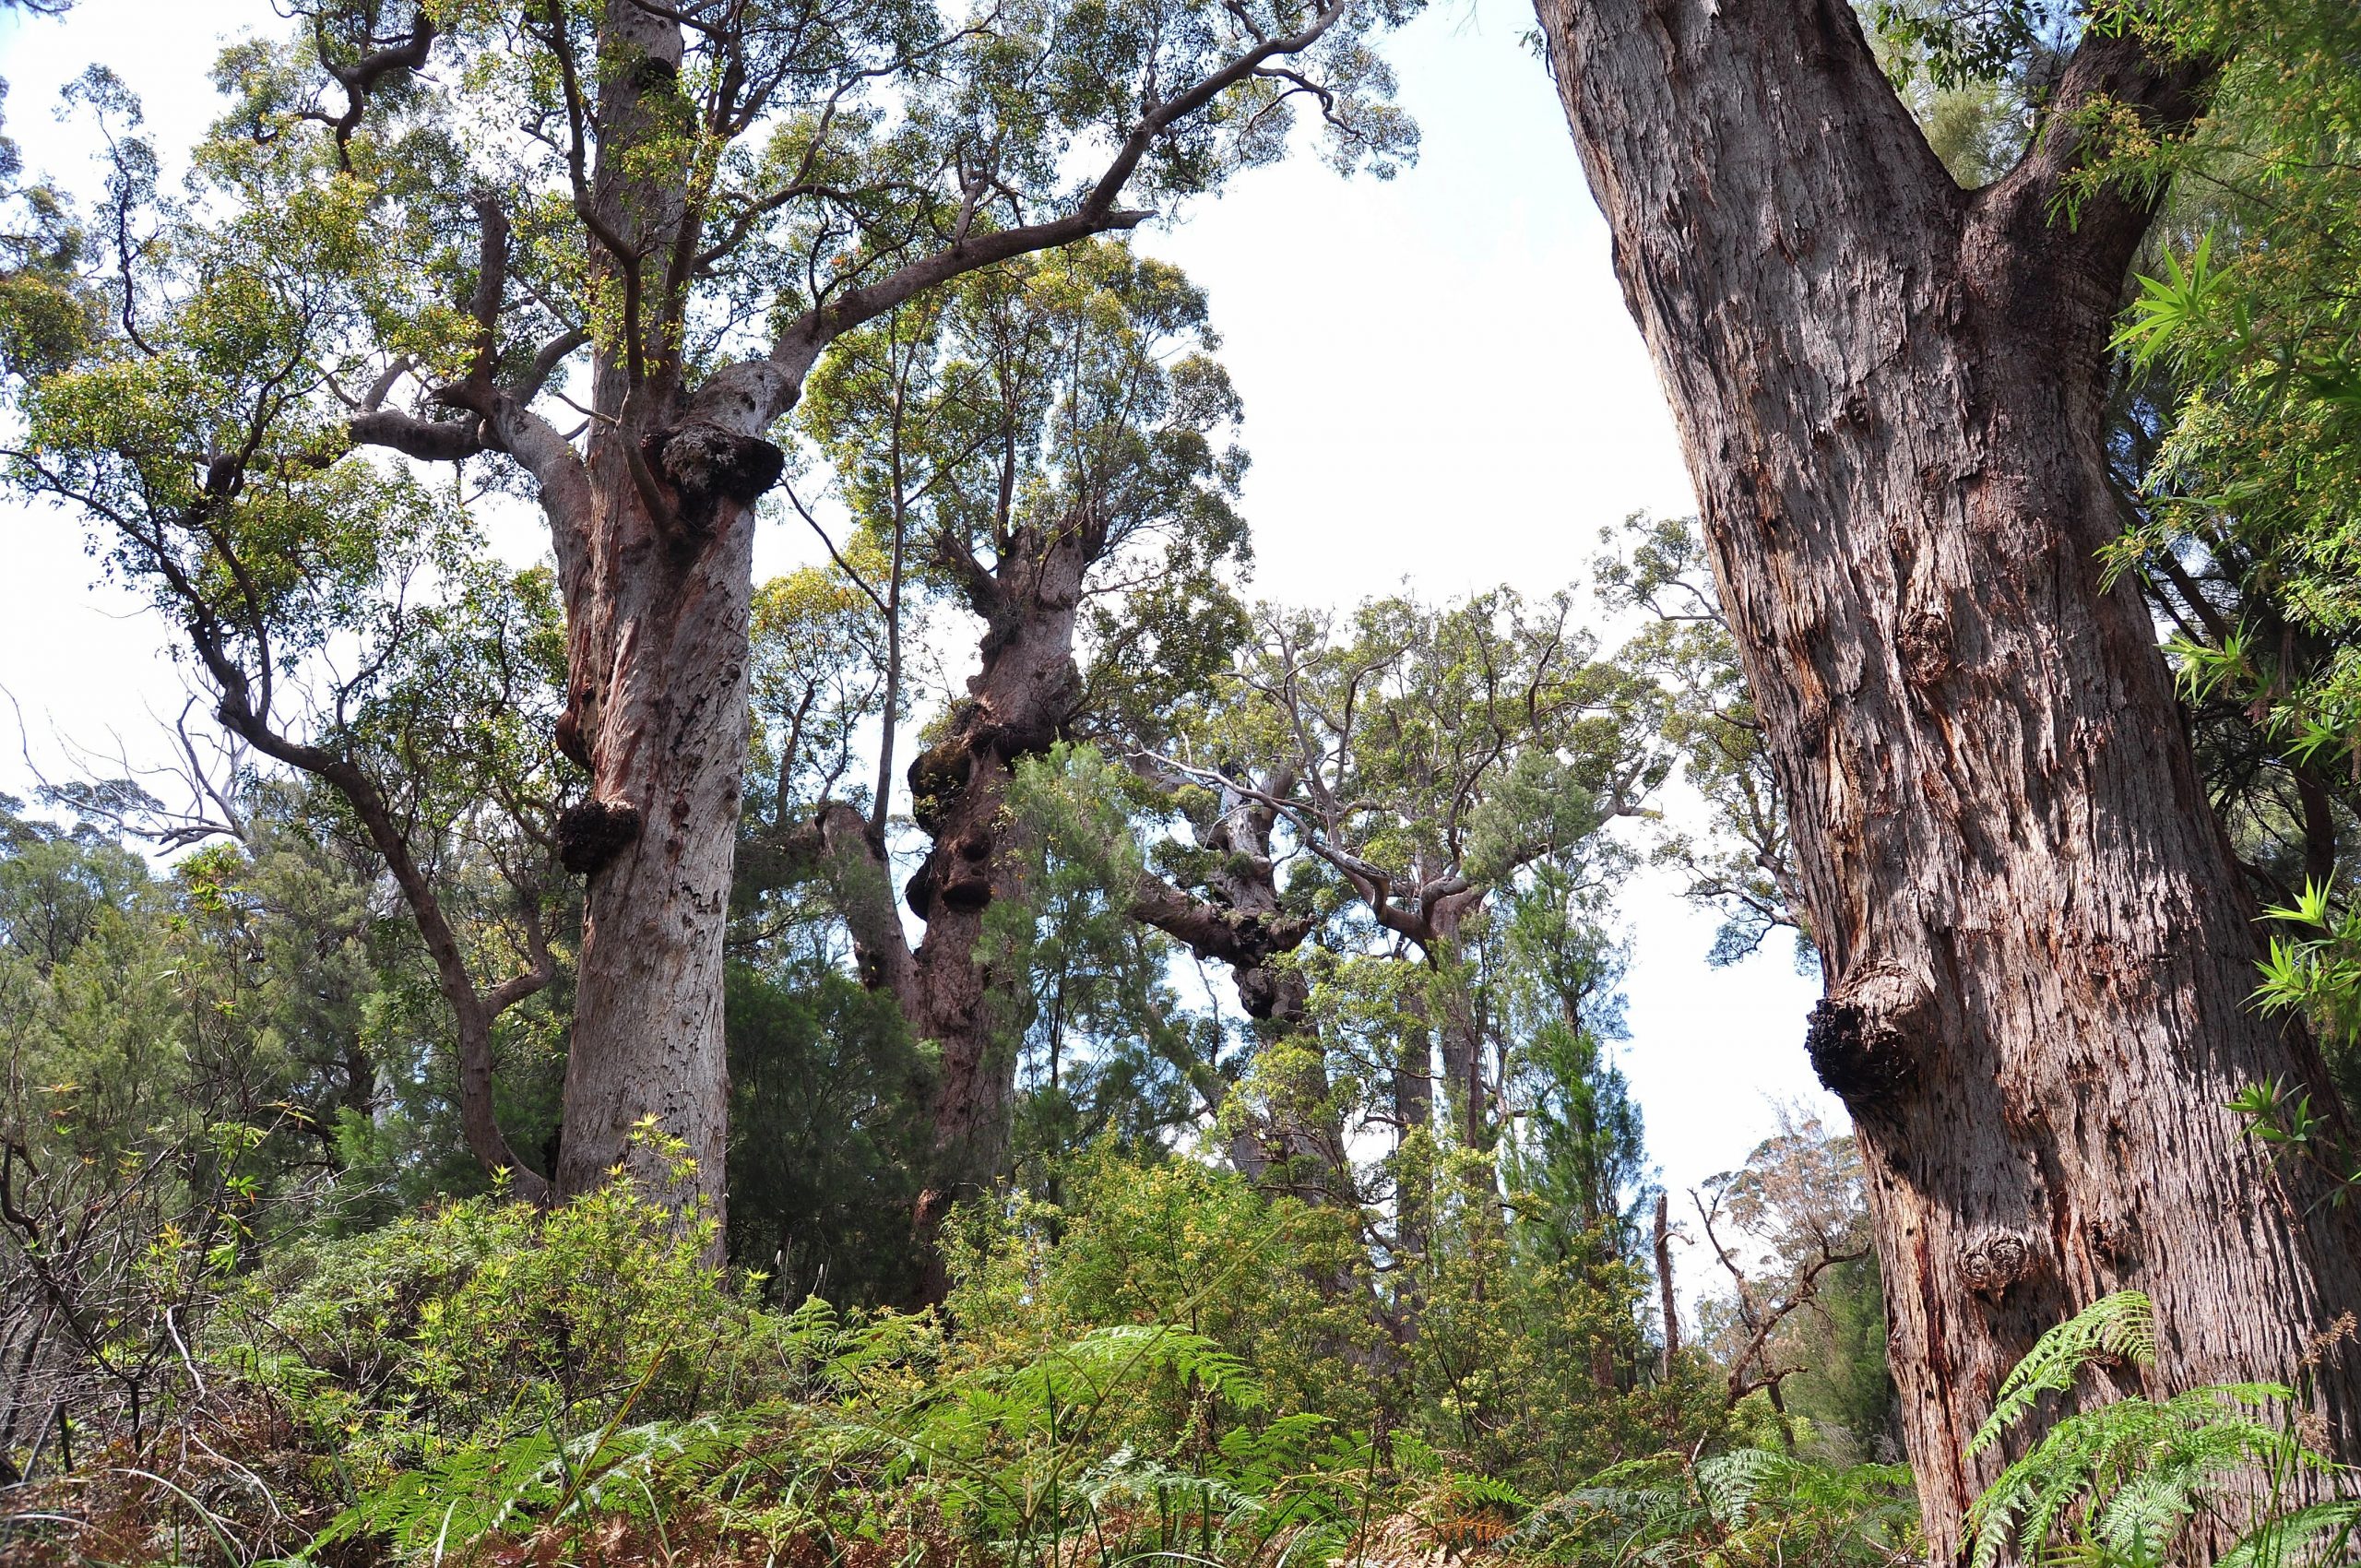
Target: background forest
{"type": "Point", "coordinates": [1161, 1095]}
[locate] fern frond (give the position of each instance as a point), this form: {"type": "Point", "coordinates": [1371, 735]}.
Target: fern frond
{"type": "Point", "coordinates": [2322, 1534]}
{"type": "Point", "coordinates": [2135, 1471]}
{"type": "Point", "coordinates": [1732, 1481]}
{"type": "Point", "coordinates": [2122, 1327]}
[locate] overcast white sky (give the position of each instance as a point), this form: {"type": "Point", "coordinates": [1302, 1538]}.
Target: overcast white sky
{"type": "Point", "coordinates": [1441, 386]}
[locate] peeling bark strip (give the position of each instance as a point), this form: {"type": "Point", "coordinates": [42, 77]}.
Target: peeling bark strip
{"type": "Point", "coordinates": [1889, 393]}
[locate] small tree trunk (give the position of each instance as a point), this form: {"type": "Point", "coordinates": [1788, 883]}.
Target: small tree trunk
{"type": "Point", "coordinates": [1668, 1302]}
{"type": "Point", "coordinates": [2038, 951]}
{"type": "Point", "coordinates": [1414, 1116]}
{"type": "Point", "coordinates": [1293, 1139]}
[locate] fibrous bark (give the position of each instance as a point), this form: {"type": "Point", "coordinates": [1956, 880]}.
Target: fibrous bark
{"type": "Point", "coordinates": [1021, 700]}
{"type": "Point", "coordinates": [1888, 392]}
{"type": "Point", "coordinates": [1025, 695]}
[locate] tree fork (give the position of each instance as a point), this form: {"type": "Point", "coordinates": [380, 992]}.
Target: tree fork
{"type": "Point", "coordinates": [651, 524]}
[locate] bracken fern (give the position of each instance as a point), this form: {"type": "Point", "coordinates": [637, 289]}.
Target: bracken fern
{"type": "Point", "coordinates": [2118, 1485]}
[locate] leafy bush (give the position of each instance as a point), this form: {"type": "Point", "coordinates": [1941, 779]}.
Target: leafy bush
{"type": "Point", "coordinates": [1281, 1284]}
{"type": "Point", "coordinates": [489, 1315]}
{"type": "Point", "coordinates": [1734, 1509]}
{"type": "Point", "coordinates": [1179, 1365]}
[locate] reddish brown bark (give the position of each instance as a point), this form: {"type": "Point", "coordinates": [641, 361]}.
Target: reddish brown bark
{"type": "Point", "coordinates": [1889, 391]}
{"type": "Point", "coordinates": [1027, 694]}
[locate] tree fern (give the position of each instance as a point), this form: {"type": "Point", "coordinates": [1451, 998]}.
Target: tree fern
{"type": "Point", "coordinates": [2323, 1533]}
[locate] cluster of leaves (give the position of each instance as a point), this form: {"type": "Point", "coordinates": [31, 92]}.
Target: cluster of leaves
{"type": "Point", "coordinates": [2120, 1483]}
{"type": "Point", "coordinates": [197, 1065]}
{"type": "Point", "coordinates": [2236, 446]}
{"type": "Point", "coordinates": [1742, 863]}
{"type": "Point", "coordinates": [1741, 1507]}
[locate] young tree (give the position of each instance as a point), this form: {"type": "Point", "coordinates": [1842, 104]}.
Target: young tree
{"type": "Point", "coordinates": [196, 442]}
{"type": "Point", "coordinates": [1890, 392]}
{"type": "Point", "coordinates": [701, 199]}
{"type": "Point", "coordinates": [1573, 1159]}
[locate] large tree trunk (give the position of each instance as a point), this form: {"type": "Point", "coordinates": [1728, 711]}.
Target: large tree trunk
{"type": "Point", "coordinates": [657, 579]}
{"type": "Point", "coordinates": [1889, 393]}
{"type": "Point", "coordinates": [1020, 701]}
{"type": "Point", "coordinates": [657, 640]}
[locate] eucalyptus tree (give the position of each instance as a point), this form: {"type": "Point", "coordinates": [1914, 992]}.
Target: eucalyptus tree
{"type": "Point", "coordinates": [1042, 451]}
{"type": "Point", "coordinates": [1890, 391]}
{"type": "Point", "coordinates": [341, 615]}
{"type": "Point", "coordinates": [1228, 885]}
{"type": "Point", "coordinates": [1573, 1159]}
{"type": "Point", "coordinates": [592, 249]}
{"type": "Point", "coordinates": [1427, 758]}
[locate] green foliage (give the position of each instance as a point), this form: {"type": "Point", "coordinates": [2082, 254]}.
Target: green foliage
{"type": "Point", "coordinates": [186, 1054]}
{"type": "Point", "coordinates": [1576, 1169]}
{"type": "Point", "coordinates": [1742, 863]}
{"type": "Point", "coordinates": [1062, 402]}
{"type": "Point", "coordinates": [1960, 42]}
{"type": "Point", "coordinates": [486, 1312]}
{"type": "Point", "coordinates": [1973, 73]}
{"type": "Point", "coordinates": [826, 1091]}
{"type": "Point", "coordinates": [1143, 1240]}
{"type": "Point", "coordinates": [2237, 444]}
{"type": "Point", "coordinates": [1736, 1509]}
{"type": "Point", "coordinates": [2118, 1482]}
{"type": "Point", "coordinates": [819, 674]}
{"type": "Point", "coordinates": [1162, 1369]}
{"type": "Point", "coordinates": [1103, 1044]}
{"type": "Point", "coordinates": [2313, 969]}
{"type": "Point", "coordinates": [1845, 1393]}
{"type": "Point", "coordinates": [2122, 1327]}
